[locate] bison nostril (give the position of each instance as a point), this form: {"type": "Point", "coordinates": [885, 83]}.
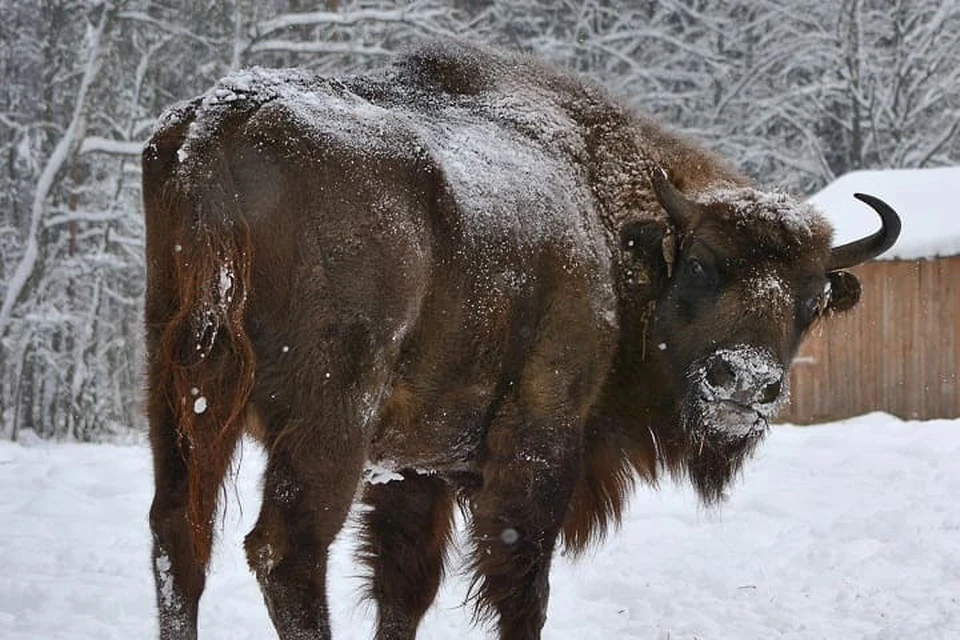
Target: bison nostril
{"type": "Point", "coordinates": [771, 392]}
{"type": "Point", "coordinates": [720, 373]}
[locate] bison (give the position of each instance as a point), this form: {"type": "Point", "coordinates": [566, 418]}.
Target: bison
{"type": "Point", "coordinates": [470, 278]}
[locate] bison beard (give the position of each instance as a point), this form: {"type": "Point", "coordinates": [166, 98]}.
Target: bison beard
{"type": "Point", "coordinates": [714, 455]}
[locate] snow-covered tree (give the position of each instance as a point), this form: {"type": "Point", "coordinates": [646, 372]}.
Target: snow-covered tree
{"type": "Point", "coordinates": [48, 303]}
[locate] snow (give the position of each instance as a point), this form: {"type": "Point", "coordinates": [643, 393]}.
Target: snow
{"type": "Point", "coordinates": [167, 591]}
{"type": "Point", "coordinates": [926, 200]}
{"type": "Point", "coordinates": [798, 217]}
{"type": "Point", "coordinates": [766, 285]}
{"type": "Point", "coordinates": [225, 284]}
{"type": "Point", "coordinates": [848, 530]}
{"type": "Point", "coordinates": [382, 473]}
{"type": "Point", "coordinates": [99, 144]}
{"type": "Point", "coordinates": [765, 292]}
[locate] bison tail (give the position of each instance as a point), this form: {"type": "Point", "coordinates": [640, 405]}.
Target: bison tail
{"type": "Point", "coordinates": [207, 358]}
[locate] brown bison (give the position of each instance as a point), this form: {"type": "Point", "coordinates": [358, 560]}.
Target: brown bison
{"type": "Point", "coordinates": [471, 274]}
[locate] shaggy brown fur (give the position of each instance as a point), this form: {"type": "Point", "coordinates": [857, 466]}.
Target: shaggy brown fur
{"type": "Point", "coordinates": [473, 275]}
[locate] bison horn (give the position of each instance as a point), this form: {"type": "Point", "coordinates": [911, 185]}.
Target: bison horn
{"type": "Point", "coordinates": [683, 212]}
{"type": "Point", "coordinates": [864, 249]}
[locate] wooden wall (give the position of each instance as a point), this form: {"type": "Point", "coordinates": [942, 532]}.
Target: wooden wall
{"type": "Point", "coordinates": [898, 351]}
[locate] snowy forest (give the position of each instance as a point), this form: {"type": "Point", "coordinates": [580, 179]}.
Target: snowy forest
{"type": "Point", "coordinates": [795, 92]}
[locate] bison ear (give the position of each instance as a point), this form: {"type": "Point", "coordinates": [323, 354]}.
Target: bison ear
{"type": "Point", "coordinates": [642, 237]}
{"type": "Point", "coordinates": [844, 291]}
{"type": "Point", "coordinates": [683, 212]}
{"type": "Point", "coordinates": [648, 240]}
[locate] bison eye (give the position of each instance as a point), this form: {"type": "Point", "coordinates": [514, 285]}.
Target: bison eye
{"type": "Point", "coordinates": [700, 273]}
{"type": "Point", "coordinates": [814, 306]}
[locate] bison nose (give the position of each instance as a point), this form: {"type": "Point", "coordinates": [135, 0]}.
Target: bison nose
{"type": "Point", "coordinates": [744, 376]}
{"type": "Point", "coordinates": [720, 373]}
{"type": "Point", "coordinates": [771, 391]}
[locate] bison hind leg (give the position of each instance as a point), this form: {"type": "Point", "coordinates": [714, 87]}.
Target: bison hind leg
{"type": "Point", "coordinates": [179, 575]}
{"type": "Point", "coordinates": [308, 487]}
{"type": "Point", "coordinates": [404, 538]}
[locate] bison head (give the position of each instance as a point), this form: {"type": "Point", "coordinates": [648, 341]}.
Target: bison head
{"type": "Point", "coordinates": [744, 275]}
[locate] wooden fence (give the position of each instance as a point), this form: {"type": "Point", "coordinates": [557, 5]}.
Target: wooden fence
{"type": "Point", "coordinates": [898, 351]}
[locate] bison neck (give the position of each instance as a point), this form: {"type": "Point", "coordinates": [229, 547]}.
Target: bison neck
{"type": "Point", "coordinates": [638, 408]}
{"type": "Point", "coordinates": [632, 431]}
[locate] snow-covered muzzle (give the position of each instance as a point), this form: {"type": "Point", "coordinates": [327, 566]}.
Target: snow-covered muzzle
{"type": "Point", "coordinates": [731, 396]}
{"type": "Point", "coordinates": [733, 393]}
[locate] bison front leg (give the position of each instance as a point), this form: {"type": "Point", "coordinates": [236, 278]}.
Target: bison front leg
{"type": "Point", "coordinates": [528, 475]}
{"type": "Point", "coordinates": [405, 535]}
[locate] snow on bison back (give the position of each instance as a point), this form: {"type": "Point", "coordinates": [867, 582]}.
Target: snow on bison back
{"type": "Point", "coordinates": [472, 276]}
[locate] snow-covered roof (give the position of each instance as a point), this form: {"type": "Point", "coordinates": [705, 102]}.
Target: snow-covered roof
{"type": "Point", "coordinates": [928, 201]}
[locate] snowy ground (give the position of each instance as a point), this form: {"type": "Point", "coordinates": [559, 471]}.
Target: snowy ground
{"type": "Point", "coordinates": [850, 530]}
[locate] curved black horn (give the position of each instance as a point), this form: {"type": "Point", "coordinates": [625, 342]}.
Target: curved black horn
{"type": "Point", "coordinates": [682, 211]}
{"type": "Point", "coordinates": [864, 249]}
